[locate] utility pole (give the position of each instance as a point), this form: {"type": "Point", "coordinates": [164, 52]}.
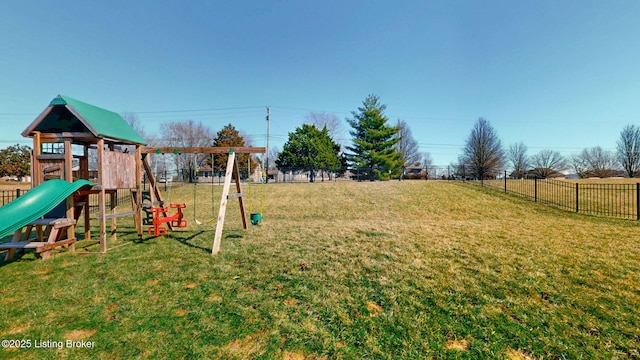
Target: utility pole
{"type": "Point", "coordinates": [266, 167]}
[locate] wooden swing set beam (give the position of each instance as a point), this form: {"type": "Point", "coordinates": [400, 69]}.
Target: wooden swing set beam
{"type": "Point", "coordinates": [204, 150]}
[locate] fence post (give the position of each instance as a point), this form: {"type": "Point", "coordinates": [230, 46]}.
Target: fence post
{"type": "Point", "coordinates": [638, 201]}
{"type": "Point", "coordinates": [505, 181]}
{"type": "Point", "coordinates": [577, 197]}
{"type": "Point", "coordinates": [535, 189]}
{"type": "Point", "coordinates": [17, 193]}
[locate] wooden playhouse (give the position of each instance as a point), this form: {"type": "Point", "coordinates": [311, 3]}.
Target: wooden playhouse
{"type": "Point", "coordinates": [68, 136]}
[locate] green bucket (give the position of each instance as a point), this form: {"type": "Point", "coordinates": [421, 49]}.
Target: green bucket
{"type": "Point", "coordinates": [256, 218]}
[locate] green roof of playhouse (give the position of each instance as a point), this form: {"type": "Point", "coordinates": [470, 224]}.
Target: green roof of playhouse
{"type": "Point", "coordinates": [65, 114]}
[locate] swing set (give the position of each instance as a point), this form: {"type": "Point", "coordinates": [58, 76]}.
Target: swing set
{"type": "Point", "coordinates": [177, 220]}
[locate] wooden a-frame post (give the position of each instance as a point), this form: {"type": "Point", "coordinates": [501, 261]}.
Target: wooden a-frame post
{"type": "Point", "coordinates": [232, 168]}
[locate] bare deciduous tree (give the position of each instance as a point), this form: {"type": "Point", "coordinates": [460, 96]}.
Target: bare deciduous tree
{"type": "Point", "coordinates": [331, 121]}
{"type": "Point", "coordinates": [134, 122]}
{"type": "Point", "coordinates": [628, 150]}
{"type": "Point", "coordinates": [426, 161]}
{"type": "Point", "coordinates": [187, 134]}
{"type": "Point", "coordinates": [273, 156]}
{"type": "Point", "coordinates": [595, 162]}
{"type": "Point", "coordinates": [156, 161]}
{"type": "Point", "coordinates": [579, 165]}
{"type": "Point", "coordinates": [548, 162]}
{"type": "Point", "coordinates": [407, 145]}
{"type": "Point", "coordinates": [483, 154]}
{"type": "Point", "coordinates": [519, 159]}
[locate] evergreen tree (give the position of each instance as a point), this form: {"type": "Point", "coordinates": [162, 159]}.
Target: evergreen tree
{"type": "Point", "coordinates": [373, 147]}
{"type": "Point", "coordinates": [230, 136]}
{"type": "Point", "coordinates": [310, 148]}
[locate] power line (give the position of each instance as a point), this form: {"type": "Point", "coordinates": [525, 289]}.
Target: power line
{"type": "Point", "coordinates": [198, 110]}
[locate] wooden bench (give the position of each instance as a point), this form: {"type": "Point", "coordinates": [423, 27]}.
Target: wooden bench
{"type": "Point", "coordinates": [50, 234]}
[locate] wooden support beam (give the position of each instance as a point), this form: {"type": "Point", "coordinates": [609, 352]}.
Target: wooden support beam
{"type": "Point", "coordinates": [87, 217]}
{"type": "Point", "coordinates": [138, 200]}
{"type": "Point", "coordinates": [119, 215]}
{"type": "Point", "coordinates": [59, 137]}
{"type": "Point", "coordinates": [36, 168]}
{"type": "Point", "coordinates": [236, 174]}
{"type": "Point", "coordinates": [102, 211]}
{"type": "Point", "coordinates": [71, 228]}
{"type": "Point", "coordinates": [204, 150]}
{"type": "Point", "coordinates": [222, 210]}
{"type": "Point", "coordinates": [49, 246]}
{"type": "Point", "coordinates": [51, 157]}
{"type": "Point", "coordinates": [68, 161]}
{"type": "Point", "coordinates": [112, 215]}
{"type": "Point", "coordinates": [16, 238]}
{"type": "Point", "coordinates": [84, 165]}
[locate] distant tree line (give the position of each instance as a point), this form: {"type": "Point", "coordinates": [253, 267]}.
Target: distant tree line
{"type": "Point", "coordinates": [484, 157]}
{"type": "Point", "coordinates": [378, 150]}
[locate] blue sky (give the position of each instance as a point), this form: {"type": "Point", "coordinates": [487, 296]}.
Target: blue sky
{"type": "Point", "coordinates": [563, 75]}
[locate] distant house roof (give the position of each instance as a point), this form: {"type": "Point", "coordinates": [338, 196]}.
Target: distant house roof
{"type": "Point", "coordinates": [414, 166]}
{"type": "Point", "coordinates": [65, 114]}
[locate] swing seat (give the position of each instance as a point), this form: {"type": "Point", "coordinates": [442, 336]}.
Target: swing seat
{"type": "Point", "coordinates": [256, 218]}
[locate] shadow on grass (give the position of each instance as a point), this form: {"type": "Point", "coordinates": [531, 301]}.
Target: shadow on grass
{"type": "Point", "coordinates": [19, 256]}
{"type": "Point", "coordinates": [186, 240]}
{"type": "Point", "coordinates": [93, 246]}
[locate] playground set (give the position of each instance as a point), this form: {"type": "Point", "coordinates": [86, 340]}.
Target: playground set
{"type": "Point", "coordinates": [63, 136]}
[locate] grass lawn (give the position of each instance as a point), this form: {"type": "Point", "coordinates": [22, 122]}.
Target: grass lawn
{"type": "Point", "coordinates": [13, 185]}
{"type": "Point", "coordinates": [344, 270]}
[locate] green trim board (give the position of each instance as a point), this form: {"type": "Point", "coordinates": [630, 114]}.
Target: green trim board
{"type": "Point", "coordinates": [66, 114]}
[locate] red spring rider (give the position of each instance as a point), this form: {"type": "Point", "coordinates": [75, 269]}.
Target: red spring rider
{"type": "Point", "coordinates": [176, 220]}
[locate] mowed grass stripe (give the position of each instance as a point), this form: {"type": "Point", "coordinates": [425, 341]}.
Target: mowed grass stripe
{"type": "Point", "coordinates": [407, 269]}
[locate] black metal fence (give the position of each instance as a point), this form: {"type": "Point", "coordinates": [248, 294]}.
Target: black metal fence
{"type": "Point", "coordinates": [617, 200]}
{"type": "Point", "coordinates": [122, 197]}
{"type": "Point", "coordinates": [10, 195]}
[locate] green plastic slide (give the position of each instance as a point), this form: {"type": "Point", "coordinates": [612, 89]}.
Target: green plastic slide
{"type": "Point", "coordinates": [36, 203]}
